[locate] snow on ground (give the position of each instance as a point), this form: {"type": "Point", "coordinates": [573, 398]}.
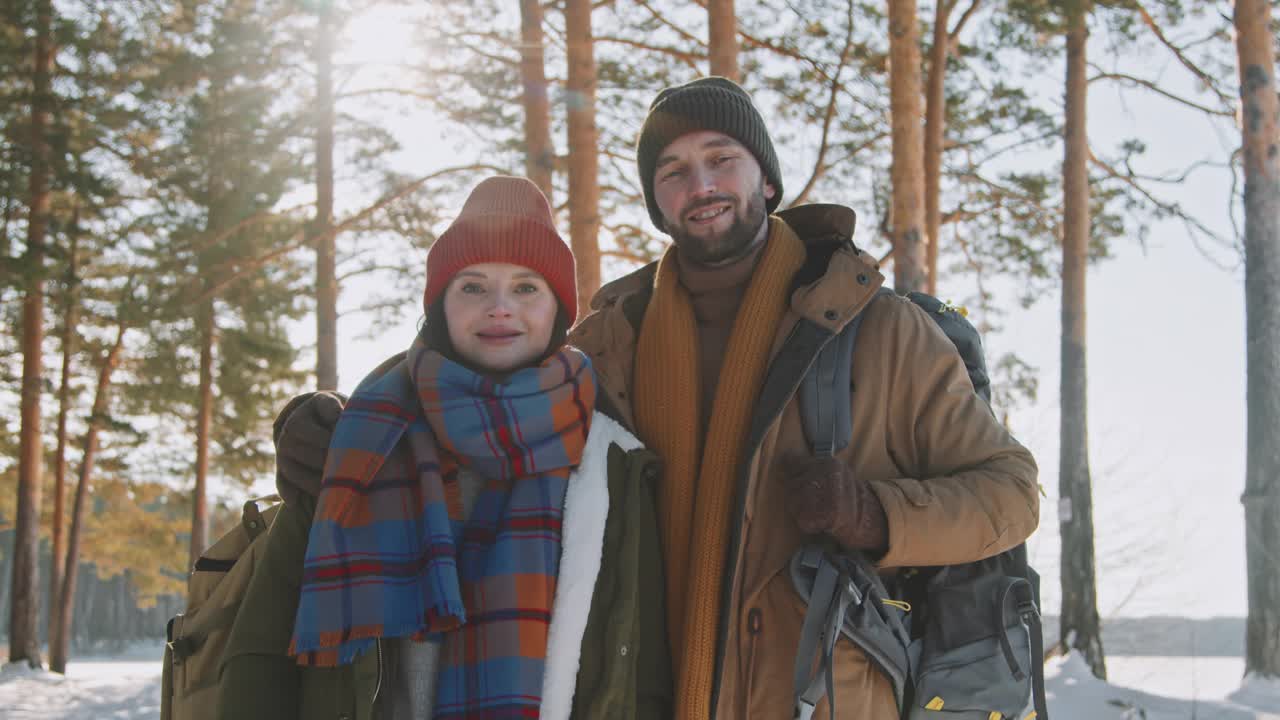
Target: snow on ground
{"type": "Point", "coordinates": [127, 687]}
{"type": "Point", "coordinates": [119, 687]}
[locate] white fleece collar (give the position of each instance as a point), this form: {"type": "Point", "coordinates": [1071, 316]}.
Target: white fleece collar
{"type": "Point", "coordinates": [586, 508]}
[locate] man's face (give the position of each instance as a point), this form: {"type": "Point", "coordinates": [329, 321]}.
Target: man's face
{"type": "Point", "coordinates": [712, 196]}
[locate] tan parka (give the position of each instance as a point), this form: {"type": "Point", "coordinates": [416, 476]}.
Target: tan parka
{"type": "Point", "coordinates": [956, 487]}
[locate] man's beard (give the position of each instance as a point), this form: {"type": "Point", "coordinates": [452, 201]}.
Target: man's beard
{"type": "Point", "coordinates": [730, 244]}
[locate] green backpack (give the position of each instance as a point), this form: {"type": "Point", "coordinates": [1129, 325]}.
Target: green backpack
{"type": "Point", "coordinates": [195, 638]}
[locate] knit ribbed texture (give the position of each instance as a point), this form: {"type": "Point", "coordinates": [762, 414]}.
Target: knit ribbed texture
{"type": "Point", "coordinates": [709, 103]}
{"type": "Point", "coordinates": [504, 220]}
{"type": "Point", "coordinates": [666, 382]}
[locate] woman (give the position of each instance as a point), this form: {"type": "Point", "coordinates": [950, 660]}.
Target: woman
{"type": "Point", "coordinates": [483, 542]}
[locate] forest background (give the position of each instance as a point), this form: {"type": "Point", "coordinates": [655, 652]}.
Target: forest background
{"type": "Point", "coordinates": [207, 206]}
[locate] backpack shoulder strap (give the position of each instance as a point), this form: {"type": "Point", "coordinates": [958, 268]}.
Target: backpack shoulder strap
{"type": "Point", "coordinates": [824, 408]}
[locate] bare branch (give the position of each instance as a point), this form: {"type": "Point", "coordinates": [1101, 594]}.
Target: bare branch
{"type": "Point", "coordinates": [300, 238]}
{"type": "Point", "coordinates": [1209, 82]}
{"type": "Point", "coordinates": [688, 58]}
{"type": "Point", "coordinates": [1192, 223]}
{"type": "Point", "coordinates": [954, 36]}
{"type": "Point", "coordinates": [1130, 79]}
{"type": "Point", "coordinates": [819, 166]}
{"type": "Point", "coordinates": [661, 18]}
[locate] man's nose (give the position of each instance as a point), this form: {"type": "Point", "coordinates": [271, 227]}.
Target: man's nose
{"type": "Point", "coordinates": [702, 181]}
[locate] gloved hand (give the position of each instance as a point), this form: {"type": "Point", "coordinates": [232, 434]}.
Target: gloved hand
{"type": "Point", "coordinates": [824, 497]}
{"type": "Point", "coordinates": [302, 432]}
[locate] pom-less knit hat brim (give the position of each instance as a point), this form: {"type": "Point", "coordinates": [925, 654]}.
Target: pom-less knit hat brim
{"type": "Point", "coordinates": [709, 103]}
{"type": "Point", "coordinates": [504, 220]}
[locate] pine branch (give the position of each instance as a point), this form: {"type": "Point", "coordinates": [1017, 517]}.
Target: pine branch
{"type": "Point", "coordinates": [1188, 220]}
{"type": "Point", "coordinates": [690, 59]}
{"type": "Point", "coordinates": [1130, 79]}
{"type": "Point", "coordinates": [693, 40]}
{"type": "Point", "coordinates": [1209, 82]}
{"type": "Point", "coordinates": [818, 166]}
{"type": "Point", "coordinates": [300, 239]}
{"type": "Point", "coordinates": [954, 36]}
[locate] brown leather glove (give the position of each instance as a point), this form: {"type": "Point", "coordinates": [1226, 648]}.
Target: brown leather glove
{"type": "Point", "coordinates": [302, 432]}
{"type": "Point", "coordinates": [824, 497]}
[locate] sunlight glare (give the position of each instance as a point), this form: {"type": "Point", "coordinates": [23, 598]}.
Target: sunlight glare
{"type": "Point", "coordinates": [382, 35]}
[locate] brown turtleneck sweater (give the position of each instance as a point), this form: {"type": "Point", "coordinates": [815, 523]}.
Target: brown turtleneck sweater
{"type": "Point", "coordinates": [715, 294]}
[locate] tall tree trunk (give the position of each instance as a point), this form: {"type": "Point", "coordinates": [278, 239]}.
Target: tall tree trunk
{"type": "Point", "coordinates": [723, 38]}
{"type": "Point", "coordinates": [24, 637]}
{"type": "Point", "coordinates": [322, 229]}
{"type": "Point", "coordinates": [1262, 311]}
{"type": "Point", "coordinates": [935, 121]}
{"type": "Point", "coordinates": [1080, 626]}
{"type": "Point", "coordinates": [907, 172]}
{"type": "Point", "coordinates": [66, 600]}
{"type": "Point", "coordinates": [70, 319]}
{"type": "Point", "coordinates": [584, 181]}
{"type": "Point", "coordinates": [204, 422]}
{"type": "Point", "coordinates": [539, 153]}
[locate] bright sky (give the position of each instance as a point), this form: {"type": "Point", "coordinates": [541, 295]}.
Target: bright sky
{"type": "Point", "coordinates": [1166, 370]}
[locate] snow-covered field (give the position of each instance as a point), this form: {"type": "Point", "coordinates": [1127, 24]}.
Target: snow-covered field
{"type": "Point", "coordinates": [127, 687]}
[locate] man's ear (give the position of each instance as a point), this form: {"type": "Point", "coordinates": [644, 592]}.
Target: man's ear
{"type": "Point", "coordinates": [769, 190]}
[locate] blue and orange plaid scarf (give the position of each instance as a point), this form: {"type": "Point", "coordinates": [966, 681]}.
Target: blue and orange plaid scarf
{"type": "Point", "coordinates": [390, 554]}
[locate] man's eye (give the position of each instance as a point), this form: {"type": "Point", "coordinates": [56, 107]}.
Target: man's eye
{"type": "Point", "coordinates": [721, 160]}
{"type": "Point", "coordinates": [672, 174]}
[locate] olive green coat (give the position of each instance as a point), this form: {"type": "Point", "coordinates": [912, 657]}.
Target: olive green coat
{"type": "Point", "coordinates": [619, 669]}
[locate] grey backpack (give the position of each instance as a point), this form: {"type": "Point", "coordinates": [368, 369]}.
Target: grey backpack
{"type": "Point", "coordinates": [960, 642]}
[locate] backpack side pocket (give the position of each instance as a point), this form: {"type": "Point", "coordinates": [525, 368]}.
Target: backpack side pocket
{"type": "Point", "coordinates": [976, 657]}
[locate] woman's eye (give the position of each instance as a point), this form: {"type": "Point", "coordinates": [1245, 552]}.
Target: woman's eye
{"type": "Point", "coordinates": [472, 288]}
{"type": "Point", "coordinates": [526, 289]}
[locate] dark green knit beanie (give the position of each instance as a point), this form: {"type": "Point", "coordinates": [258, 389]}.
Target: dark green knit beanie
{"type": "Point", "coordinates": [709, 103]}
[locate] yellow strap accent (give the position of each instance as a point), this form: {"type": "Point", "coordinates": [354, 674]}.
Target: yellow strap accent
{"type": "Point", "coordinates": [902, 605]}
{"type": "Point", "coordinates": [995, 715]}
{"type": "Point", "coordinates": [934, 704]}
{"type": "Point", "coordinates": [1030, 716]}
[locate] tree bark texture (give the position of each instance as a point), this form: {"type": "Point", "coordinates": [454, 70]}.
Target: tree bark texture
{"type": "Point", "coordinates": [1080, 624]}
{"type": "Point", "coordinates": [584, 181]}
{"type": "Point", "coordinates": [935, 122]}
{"type": "Point", "coordinates": [1259, 108]}
{"type": "Point", "coordinates": [70, 319]}
{"type": "Point", "coordinates": [24, 638]}
{"type": "Point", "coordinates": [722, 38]}
{"type": "Point", "coordinates": [539, 153]}
{"type": "Point", "coordinates": [907, 171]}
{"type": "Point", "coordinates": [66, 599]}
{"type": "Point", "coordinates": [322, 228]}
{"type": "Point", "coordinates": [204, 423]}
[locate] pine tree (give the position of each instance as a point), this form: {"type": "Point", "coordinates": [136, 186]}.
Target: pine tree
{"type": "Point", "coordinates": [584, 160]}
{"type": "Point", "coordinates": [321, 230]}
{"type": "Point", "coordinates": [1259, 110]}
{"type": "Point", "coordinates": [539, 150]}
{"type": "Point", "coordinates": [909, 270]}
{"type": "Point", "coordinates": [24, 644]}
{"type": "Point", "coordinates": [1081, 627]}
{"type": "Point", "coordinates": [722, 38]}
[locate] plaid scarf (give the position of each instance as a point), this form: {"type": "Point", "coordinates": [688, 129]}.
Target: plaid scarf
{"type": "Point", "coordinates": [390, 554]}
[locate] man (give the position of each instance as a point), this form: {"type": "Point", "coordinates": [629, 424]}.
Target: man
{"type": "Point", "coordinates": [701, 352]}
{"type": "Point", "coordinates": [684, 350]}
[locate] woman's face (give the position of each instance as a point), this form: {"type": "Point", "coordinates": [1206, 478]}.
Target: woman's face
{"type": "Point", "coordinates": [500, 316]}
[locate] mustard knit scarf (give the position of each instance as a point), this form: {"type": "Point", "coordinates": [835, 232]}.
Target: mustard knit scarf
{"type": "Point", "coordinates": [699, 478]}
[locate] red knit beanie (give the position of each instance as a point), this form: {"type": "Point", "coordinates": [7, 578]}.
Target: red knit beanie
{"type": "Point", "coordinates": [504, 220]}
